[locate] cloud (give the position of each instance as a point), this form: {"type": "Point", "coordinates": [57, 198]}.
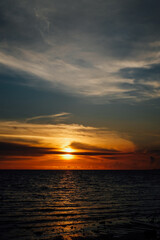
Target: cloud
{"type": "Point", "coordinates": [45, 145]}
{"type": "Point", "coordinates": [51, 118]}
{"type": "Point", "coordinates": [83, 48]}
{"type": "Point", "coordinates": [84, 146]}
{"type": "Point", "coordinates": [64, 74]}
{"type": "Point", "coordinates": [13, 152]}
{"type": "Point", "coordinates": [17, 151]}
{"type": "Point", "coordinates": [14, 149]}
{"type": "Point", "coordinates": [146, 82]}
{"type": "Point", "coordinates": [61, 135]}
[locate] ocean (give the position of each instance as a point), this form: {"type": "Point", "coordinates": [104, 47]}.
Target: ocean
{"type": "Point", "coordinates": [77, 204]}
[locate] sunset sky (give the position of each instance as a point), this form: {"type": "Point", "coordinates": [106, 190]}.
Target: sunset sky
{"type": "Point", "coordinates": [79, 84]}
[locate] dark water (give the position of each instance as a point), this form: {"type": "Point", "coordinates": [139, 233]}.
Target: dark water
{"type": "Point", "coordinates": [46, 204]}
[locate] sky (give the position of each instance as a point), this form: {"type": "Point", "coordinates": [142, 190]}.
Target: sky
{"type": "Point", "coordinates": [79, 84]}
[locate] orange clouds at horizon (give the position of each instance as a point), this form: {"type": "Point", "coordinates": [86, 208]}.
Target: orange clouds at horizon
{"type": "Point", "coordinates": [68, 146]}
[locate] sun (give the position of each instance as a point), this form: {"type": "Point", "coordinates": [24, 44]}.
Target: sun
{"type": "Point", "coordinates": [68, 156]}
{"type": "Point", "coordinates": [68, 150]}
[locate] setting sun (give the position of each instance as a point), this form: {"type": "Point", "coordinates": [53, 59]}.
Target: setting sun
{"type": "Point", "coordinates": [68, 156]}
{"type": "Point", "coordinates": [68, 150]}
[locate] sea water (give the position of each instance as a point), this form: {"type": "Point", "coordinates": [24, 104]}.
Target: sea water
{"type": "Point", "coordinates": [46, 204]}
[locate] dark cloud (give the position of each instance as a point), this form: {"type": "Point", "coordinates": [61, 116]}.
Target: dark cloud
{"type": "Point", "coordinates": [84, 146]}
{"type": "Point", "coordinates": [94, 153]}
{"type": "Point", "coordinates": [10, 150]}
{"type": "Point", "coordinates": [120, 23]}
{"type": "Point", "coordinates": [18, 23]}
{"type": "Point", "coordinates": [15, 149]}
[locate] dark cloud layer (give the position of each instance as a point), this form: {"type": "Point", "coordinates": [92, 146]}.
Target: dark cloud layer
{"type": "Point", "coordinates": [8, 149]}
{"type": "Point", "coordinates": [15, 149]}
{"type": "Point", "coordinates": [84, 146]}
{"type": "Point", "coordinates": [129, 20]}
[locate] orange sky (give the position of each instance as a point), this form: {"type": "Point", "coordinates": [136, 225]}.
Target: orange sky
{"type": "Point", "coordinates": [69, 146]}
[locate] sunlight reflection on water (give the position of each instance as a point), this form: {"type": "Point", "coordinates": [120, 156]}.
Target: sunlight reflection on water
{"type": "Point", "coordinates": [44, 204]}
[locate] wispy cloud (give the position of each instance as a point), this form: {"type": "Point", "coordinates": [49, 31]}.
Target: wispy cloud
{"type": "Point", "coordinates": [51, 118]}
{"type": "Point", "coordinates": [83, 50]}
{"type": "Point", "coordinates": [68, 75]}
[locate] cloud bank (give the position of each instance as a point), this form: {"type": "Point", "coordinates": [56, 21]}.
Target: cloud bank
{"type": "Point", "coordinates": [61, 135]}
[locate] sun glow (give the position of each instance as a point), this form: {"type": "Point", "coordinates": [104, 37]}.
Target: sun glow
{"type": "Point", "coordinates": [68, 150]}
{"type": "Point", "coordinates": [68, 156]}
